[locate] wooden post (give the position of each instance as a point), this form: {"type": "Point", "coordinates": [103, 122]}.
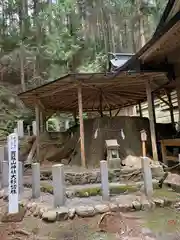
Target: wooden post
{"type": "Point", "coordinates": [100, 104]}
{"type": "Point", "coordinates": [171, 108]}
{"type": "Point", "coordinates": [178, 94]}
{"type": "Point", "coordinates": [83, 160]}
{"type": "Point", "coordinates": [151, 121]}
{"type": "Point", "coordinates": [41, 122]}
{"type": "Point", "coordinates": [37, 131]}
{"type": "Point", "coordinates": [140, 110]}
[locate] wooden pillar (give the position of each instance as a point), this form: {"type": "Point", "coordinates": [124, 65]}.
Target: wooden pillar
{"type": "Point", "coordinates": [37, 113]}
{"type": "Point", "coordinates": [83, 160]}
{"type": "Point", "coordinates": [100, 104]}
{"type": "Point", "coordinates": [171, 108]}
{"type": "Point", "coordinates": [178, 94]}
{"type": "Point", "coordinates": [151, 121]}
{"type": "Point", "coordinates": [140, 110]}
{"type": "Point", "coordinates": [41, 120]}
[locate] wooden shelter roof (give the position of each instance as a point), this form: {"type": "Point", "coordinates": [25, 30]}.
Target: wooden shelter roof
{"type": "Point", "coordinates": [99, 91]}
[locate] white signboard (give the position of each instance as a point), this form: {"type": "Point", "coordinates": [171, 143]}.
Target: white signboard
{"type": "Point", "coordinates": [13, 173]}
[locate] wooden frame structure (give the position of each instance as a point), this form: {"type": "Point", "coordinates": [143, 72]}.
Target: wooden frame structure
{"type": "Point", "coordinates": [92, 92]}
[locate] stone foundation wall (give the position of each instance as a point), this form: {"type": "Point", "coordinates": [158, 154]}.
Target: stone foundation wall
{"type": "Point", "coordinates": [115, 175]}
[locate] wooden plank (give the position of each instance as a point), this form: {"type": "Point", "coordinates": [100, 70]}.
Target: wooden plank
{"type": "Point", "coordinates": [171, 142]}
{"type": "Point", "coordinates": [80, 106]}
{"type": "Point", "coordinates": [37, 113]}
{"type": "Point", "coordinates": [171, 108]}
{"type": "Point", "coordinates": [151, 121]}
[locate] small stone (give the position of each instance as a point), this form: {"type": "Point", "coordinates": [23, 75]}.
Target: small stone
{"type": "Point", "coordinates": [71, 213]}
{"type": "Point", "coordinates": [85, 211]}
{"type": "Point", "coordinates": [49, 216]}
{"type": "Point", "coordinates": [145, 205]}
{"type": "Point", "coordinates": [159, 202]}
{"type": "Point", "coordinates": [69, 194]}
{"type": "Point", "coordinates": [136, 205]}
{"type": "Point", "coordinates": [42, 210]}
{"type": "Point", "coordinates": [62, 213]}
{"type": "Point", "coordinates": [113, 207]}
{"type": "Point", "coordinates": [29, 205]}
{"type": "Point", "coordinates": [101, 208]}
{"type": "Point", "coordinates": [33, 207]}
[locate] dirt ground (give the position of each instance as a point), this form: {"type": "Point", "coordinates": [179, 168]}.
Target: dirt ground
{"type": "Point", "coordinates": [32, 228]}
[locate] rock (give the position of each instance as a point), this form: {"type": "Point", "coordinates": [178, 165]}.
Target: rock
{"type": "Point", "coordinates": [69, 194]}
{"type": "Point", "coordinates": [136, 205]}
{"type": "Point", "coordinates": [125, 207]}
{"type": "Point", "coordinates": [159, 202]}
{"type": "Point", "coordinates": [1, 193]}
{"type": "Point", "coordinates": [101, 208]}
{"type": "Point", "coordinates": [42, 210]}
{"type": "Point", "coordinates": [33, 207]}
{"type": "Point", "coordinates": [85, 211]}
{"type": "Point", "coordinates": [71, 213]}
{"type": "Point", "coordinates": [49, 216]}
{"type": "Point", "coordinates": [145, 204]}
{"type": "Point", "coordinates": [113, 207]}
{"type": "Point", "coordinates": [62, 213]}
{"type": "Point", "coordinates": [29, 205]}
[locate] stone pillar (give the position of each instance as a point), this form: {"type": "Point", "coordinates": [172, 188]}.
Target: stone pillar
{"type": "Point", "coordinates": [147, 175]}
{"type": "Point", "coordinates": [34, 127]}
{"type": "Point", "coordinates": [1, 157]}
{"type": "Point", "coordinates": [28, 130]}
{"type": "Point", "coordinates": [21, 183]}
{"type": "Point", "coordinates": [35, 180]}
{"type": "Point", "coordinates": [20, 128]}
{"type": "Point", "coordinates": [58, 185]}
{"type": "Point", "coordinates": [104, 180]}
{"type": "Point", "coordinates": [5, 174]}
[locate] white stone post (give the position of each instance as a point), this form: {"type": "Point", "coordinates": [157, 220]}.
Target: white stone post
{"type": "Point", "coordinates": [35, 180]}
{"type": "Point", "coordinates": [1, 157]}
{"type": "Point", "coordinates": [20, 173]}
{"type": "Point", "coordinates": [147, 175]}
{"type": "Point", "coordinates": [104, 180]}
{"type": "Point", "coordinates": [58, 185]}
{"type": "Point", "coordinates": [20, 128]}
{"type": "Point", "coordinates": [5, 174]}
{"type": "Point", "coordinates": [34, 128]}
{"type": "Point", "coordinates": [28, 130]}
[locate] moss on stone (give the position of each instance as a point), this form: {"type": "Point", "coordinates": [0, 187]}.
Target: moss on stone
{"type": "Point", "coordinates": [46, 188]}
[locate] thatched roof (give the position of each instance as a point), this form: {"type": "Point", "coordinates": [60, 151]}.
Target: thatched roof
{"type": "Point", "coordinates": [99, 91]}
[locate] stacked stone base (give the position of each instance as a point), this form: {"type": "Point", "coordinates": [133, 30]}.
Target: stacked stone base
{"type": "Point", "coordinates": [64, 213]}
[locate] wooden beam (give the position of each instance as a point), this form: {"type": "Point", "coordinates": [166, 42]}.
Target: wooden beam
{"type": "Point", "coordinates": [178, 94]}
{"type": "Point", "coordinates": [37, 113]}
{"type": "Point", "coordinates": [151, 121]}
{"type": "Point", "coordinates": [140, 110]}
{"type": "Point", "coordinates": [163, 100]}
{"type": "Point", "coordinates": [170, 108]}
{"type": "Point", "coordinates": [80, 106]}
